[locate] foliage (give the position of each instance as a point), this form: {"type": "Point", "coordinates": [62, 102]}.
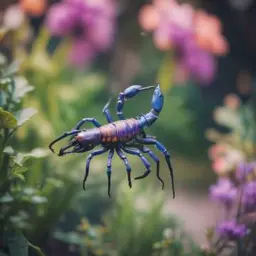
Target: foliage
{"type": "Point", "coordinates": [16, 201]}
{"type": "Point", "coordinates": [234, 161]}
{"type": "Point", "coordinates": [136, 226]}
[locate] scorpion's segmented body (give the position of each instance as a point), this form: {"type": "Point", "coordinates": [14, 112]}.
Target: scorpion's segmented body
{"type": "Point", "coordinates": [124, 135]}
{"type": "Point", "coordinates": [120, 131]}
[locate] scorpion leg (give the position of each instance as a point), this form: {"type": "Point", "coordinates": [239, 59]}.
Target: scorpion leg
{"type": "Point", "coordinates": [86, 120]}
{"type": "Point", "coordinates": [73, 151]}
{"type": "Point", "coordinates": [128, 93]}
{"type": "Point", "coordinates": [88, 161]}
{"type": "Point", "coordinates": [127, 165]}
{"type": "Point", "coordinates": [107, 113]}
{"type": "Point", "coordinates": [109, 169]}
{"type": "Point", "coordinates": [66, 134]}
{"type": "Point", "coordinates": [156, 159]}
{"type": "Point", "coordinates": [146, 163]}
{"type": "Point", "coordinates": [161, 148]}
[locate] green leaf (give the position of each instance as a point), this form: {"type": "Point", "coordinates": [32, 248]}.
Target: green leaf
{"type": "Point", "coordinates": [36, 248]}
{"type": "Point", "coordinates": [38, 199]}
{"type": "Point", "coordinates": [17, 173]}
{"type": "Point", "coordinates": [4, 82]}
{"type": "Point", "coordinates": [9, 150]}
{"type": "Point", "coordinates": [69, 237]}
{"type": "Point", "coordinates": [13, 68]}
{"type": "Point", "coordinates": [226, 117]}
{"type": "Point", "coordinates": [7, 119]}
{"type": "Point", "coordinates": [39, 153]}
{"type": "Point", "coordinates": [24, 115]}
{"type": "Point", "coordinates": [21, 88]}
{"type": "Point", "coordinates": [7, 198]}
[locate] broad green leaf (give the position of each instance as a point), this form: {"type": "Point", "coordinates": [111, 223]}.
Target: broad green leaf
{"type": "Point", "coordinates": [21, 88]}
{"type": "Point", "coordinates": [24, 115]}
{"type": "Point", "coordinates": [7, 119]}
{"type": "Point", "coordinates": [165, 73]}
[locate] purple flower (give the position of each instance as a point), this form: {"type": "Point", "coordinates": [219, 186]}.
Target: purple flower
{"type": "Point", "coordinates": [200, 63]}
{"type": "Point", "coordinates": [91, 24]}
{"type": "Point", "coordinates": [224, 192]}
{"type": "Point", "coordinates": [231, 230]}
{"type": "Point", "coordinates": [244, 169]}
{"type": "Point", "coordinates": [249, 196]}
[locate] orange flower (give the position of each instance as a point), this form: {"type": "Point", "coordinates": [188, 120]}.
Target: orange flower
{"type": "Point", "coordinates": [208, 33]}
{"type": "Point", "coordinates": [149, 18]}
{"type": "Point", "coordinates": [33, 7]}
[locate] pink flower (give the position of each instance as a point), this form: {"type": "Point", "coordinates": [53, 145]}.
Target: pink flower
{"type": "Point", "coordinates": [90, 23]}
{"type": "Point", "coordinates": [195, 35]}
{"type": "Point", "coordinates": [221, 166]}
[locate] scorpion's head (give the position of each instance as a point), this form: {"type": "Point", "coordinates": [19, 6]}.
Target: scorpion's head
{"type": "Point", "coordinates": [81, 142]}
{"type": "Point", "coordinates": [88, 139]}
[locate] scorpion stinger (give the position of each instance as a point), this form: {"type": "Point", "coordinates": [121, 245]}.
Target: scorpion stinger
{"type": "Point", "coordinates": [125, 136]}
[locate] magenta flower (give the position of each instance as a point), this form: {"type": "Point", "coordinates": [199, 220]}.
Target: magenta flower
{"type": "Point", "coordinates": [91, 24]}
{"type": "Point", "coordinates": [224, 192]}
{"type": "Point", "coordinates": [231, 230]}
{"type": "Point", "coordinates": [249, 196]}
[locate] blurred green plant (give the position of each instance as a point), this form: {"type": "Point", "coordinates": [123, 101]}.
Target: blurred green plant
{"type": "Point", "coordinates": [16, 200]}
{"type": "Point", "coordinates": [135, 226]}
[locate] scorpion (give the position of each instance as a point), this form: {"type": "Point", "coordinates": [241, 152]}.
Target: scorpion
{"type": "Point", "coordinates": [124, 135]}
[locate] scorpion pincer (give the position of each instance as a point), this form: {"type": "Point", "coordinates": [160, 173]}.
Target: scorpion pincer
{"type": "Point", "coordinates": [124, 135]}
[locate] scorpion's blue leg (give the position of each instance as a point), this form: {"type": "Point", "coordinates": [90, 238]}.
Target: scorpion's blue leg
{"type": "Point", "coordinates": [87, 120]}
{"type": "Point", "coordinates": [127, 165]}
{"type": "Point", "coordinates": [160, 147]}
{"type": "Point", "coordinates": [146, 163]}
{"type": "Point", "coordinates": [156, 159]}
{"type": "Point", "coordinates": [109, 169]}
{"type": "Point", "coordinates": [88, 161]}
{"type": "Point", "coordinates": [66, 134]}
{"type": "Point", "coordinates": [128, 93]}
{"type": "Point", "coordinates": [107, 113]}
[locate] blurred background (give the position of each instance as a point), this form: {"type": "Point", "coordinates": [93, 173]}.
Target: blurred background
{"type": "Point", "coordinates": [71, 56]}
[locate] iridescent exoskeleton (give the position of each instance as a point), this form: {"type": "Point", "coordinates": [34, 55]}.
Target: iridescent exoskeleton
{"type": "Point", "coordinates": [124, 135]}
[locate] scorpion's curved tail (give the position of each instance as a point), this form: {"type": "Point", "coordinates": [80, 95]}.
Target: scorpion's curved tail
{"type": "Point", "coordinates": [156, 107]}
